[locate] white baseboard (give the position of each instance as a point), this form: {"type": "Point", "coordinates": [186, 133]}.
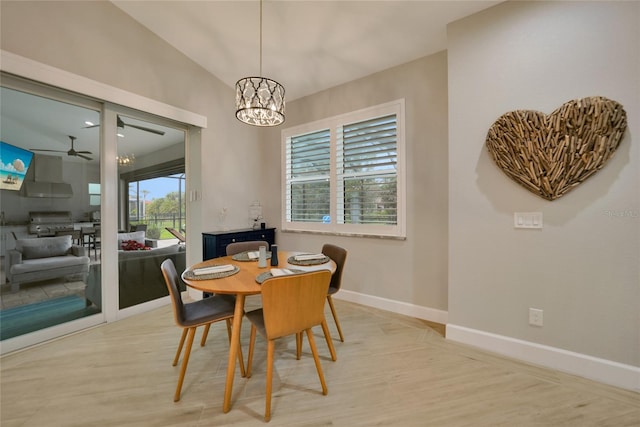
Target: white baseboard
{"type": "Point", "coordinates": [424, 313]}
{"type": "Point", "coordinates": [602, 370]}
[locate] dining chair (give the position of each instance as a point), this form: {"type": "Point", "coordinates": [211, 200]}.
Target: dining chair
{"type": "Point", "coordinates": [90, 236]}
{"type": "Point", "coordinates": [339, 256]}
{"type": "Point", "coordinates": [138, 227]}
{"type": "Point", "coordinates": [75, 235]}
{"type": "Point", "coordinates": [252, 245]}
{"type": "Point", "coordinates": [291, 304]}
{"type": "Point", "coordinates": [191, 315]}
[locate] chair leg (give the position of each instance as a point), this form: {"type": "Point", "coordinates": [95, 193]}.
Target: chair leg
{"type": "Point", "coordinates": [270, 349]}
{"type": "Point", "coordinates": [327, 337]}
{"type": "Point", "coordinates": [185, 361]}
{"type": "Point", "coordinates": [229, 329]}
{"type": "Point", "coordinates": [335, 317]}
{"type": "Point", "coordinates": [298, 345]}
{"type": "Point", "coordinates": [205, 334]}
{"type": "Point", "coordinates": [184, 335]}
{"type": "Point", "coordinates": [314, 351]}
{"type": "Point", "coordinates": [252, 341]}
{"type": "Point", "coordinates": [240, 356]}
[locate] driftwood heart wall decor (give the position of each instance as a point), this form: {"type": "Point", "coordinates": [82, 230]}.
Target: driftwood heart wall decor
{"type": "Point", "coordinates": [551, 154]}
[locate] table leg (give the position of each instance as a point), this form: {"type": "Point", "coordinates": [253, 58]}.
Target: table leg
{"type": "Point", "coordinates": [233, 351]}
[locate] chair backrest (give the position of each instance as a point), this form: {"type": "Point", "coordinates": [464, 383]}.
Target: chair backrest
{"type": "Point", "coordinates": [138, 227]}
{"type": "Point", "coordinates": [171, 279]}
{"type": "Point", "coordinates": [75, 234]}
{"type": "Point", "coordinates": [339, 256]}
{"type": "Point", "coordinates": [293, 303]}
{"type": "Point", "coordinates": [176, 234]}
{"type": "Point", "coordinates": [252, 245]}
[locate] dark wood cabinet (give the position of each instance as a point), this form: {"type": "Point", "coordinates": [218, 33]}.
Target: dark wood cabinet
{"type": "Point", "coordinates": [214, 243]}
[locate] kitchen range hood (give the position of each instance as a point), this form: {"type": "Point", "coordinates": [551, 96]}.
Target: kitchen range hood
{"type": "Point", "coordinates": [46, 181]}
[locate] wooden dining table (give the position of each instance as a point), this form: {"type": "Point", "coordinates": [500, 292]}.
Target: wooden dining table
{"type": "Point", "coordinates": [241, 284]}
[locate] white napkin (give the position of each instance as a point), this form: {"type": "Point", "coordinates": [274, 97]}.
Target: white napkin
{"type": "Point", "coordinates": [253, 254]}
{"type": "Point", "coordinates": [275, 272]}
{"type": "Point", "coordinates": [308, 257]}
{"type": "Point", "coordinates": [211, 270]}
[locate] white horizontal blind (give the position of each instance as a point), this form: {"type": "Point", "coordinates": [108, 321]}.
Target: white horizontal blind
{"type": "Point", "coordinates": [308, 164]}
{"type": "Point", "coordinates": [345, 174]}
{"type": "Point", "coordinates": [367, 168]}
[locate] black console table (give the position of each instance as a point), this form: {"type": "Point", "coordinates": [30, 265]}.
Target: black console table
{"type": "Point", "coordinates": [214, 243]}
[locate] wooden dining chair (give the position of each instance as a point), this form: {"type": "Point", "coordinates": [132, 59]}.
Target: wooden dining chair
{"type": "Point", "coordinates": [191, 315]}
{"type": "Point", "coordinates": [339, 256]}
{"type": "Point", "coordinates": [290, 305]}
{"type": "Point", "coordinates": [252, 245]}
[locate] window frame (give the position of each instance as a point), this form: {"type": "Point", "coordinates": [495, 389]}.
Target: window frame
{"type": "Point", "coordinates": [396, 231]}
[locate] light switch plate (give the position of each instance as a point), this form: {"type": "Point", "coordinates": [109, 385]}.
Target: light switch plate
{"type": "Point", "coordinates": [527, 219]}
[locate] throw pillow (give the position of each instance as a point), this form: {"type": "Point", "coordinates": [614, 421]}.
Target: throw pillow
{"type": "Point", "coordinates": [138, 236]}
{"type": "Point", "coordinates": [132, 245]}
{"type": "Point", "coordinates": [44, 247]}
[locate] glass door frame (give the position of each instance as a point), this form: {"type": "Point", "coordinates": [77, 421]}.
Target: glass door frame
{"type": "Point", "coordinates": [41, 335]}
{"type": "Point", "coordinates": [43, 80]}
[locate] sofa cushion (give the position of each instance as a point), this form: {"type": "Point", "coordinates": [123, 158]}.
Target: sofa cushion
{"type": "Point", "coordinates": [138, 236]}
{"type": "Point", "coordinates": [132, 245]}
{"type": "Point", "coordinates": [51, 263]}
{"type": "Point", "coordinates": [155, 252]}
{"type": "Point", "coordinates": [44, 247]}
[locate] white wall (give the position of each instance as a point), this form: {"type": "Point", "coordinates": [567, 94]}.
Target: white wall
{"type": "Point", "coordinates": [583, 267]}
{"type": "Point", "coordinates": [407, 276]}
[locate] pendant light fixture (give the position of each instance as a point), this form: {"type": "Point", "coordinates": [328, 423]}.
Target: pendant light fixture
{"type": "Point", "coordinates": [259, 100]}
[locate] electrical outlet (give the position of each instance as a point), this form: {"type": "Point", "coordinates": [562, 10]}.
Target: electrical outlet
{"type": "Point", "coordinates": [535, 317]}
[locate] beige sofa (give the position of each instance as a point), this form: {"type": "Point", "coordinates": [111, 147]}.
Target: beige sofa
{"type": "Point", "coordinates": [45, 258]}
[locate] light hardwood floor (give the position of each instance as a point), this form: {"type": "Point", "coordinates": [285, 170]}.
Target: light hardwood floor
{"type": "Point", "coordinates": [391, 371]}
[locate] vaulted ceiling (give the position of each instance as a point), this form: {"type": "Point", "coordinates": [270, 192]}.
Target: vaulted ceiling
{"type": "Point", "coordinates": [308, 46]}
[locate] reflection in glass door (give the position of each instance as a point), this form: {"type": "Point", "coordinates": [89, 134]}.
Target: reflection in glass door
{"type": "Point", "coordinates": [151, 169]}
{"type": "Point", "coordinates": [51, 257]}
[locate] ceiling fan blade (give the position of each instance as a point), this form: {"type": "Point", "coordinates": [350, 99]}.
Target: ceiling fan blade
{"type": "Point", "coordinates": [122, 124]}
{"type": "Point", "coordinates": [92, 126]}
{"type": "Point", "coordinates": [84, 157]}
{"type": "Point", "coordinates": [84, 152]}
{"type": "Point", "coordinates": [157, 132]}
{"type": "Point", "coordinates": [42, 149]}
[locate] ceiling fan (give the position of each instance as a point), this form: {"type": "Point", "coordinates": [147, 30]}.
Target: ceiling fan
{"type": "Point", "coordinates": [71, 152]}
{"type": "Point", "coordinates": [122, 124]}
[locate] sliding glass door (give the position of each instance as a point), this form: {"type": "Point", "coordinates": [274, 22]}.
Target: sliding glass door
{"type": "Point", "coordinates": [51, 165]}
{"type": "Point", "coordinates": [151, 176]}
{"type": "Point", "coordinates": [98, 183]}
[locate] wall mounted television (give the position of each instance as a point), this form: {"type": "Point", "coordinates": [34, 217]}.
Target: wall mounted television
{"type": "Point", "coordinates": [14, 164]}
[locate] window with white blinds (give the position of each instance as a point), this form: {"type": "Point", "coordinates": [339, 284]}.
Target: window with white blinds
{"type": "Point", "coordinates": [345, 175]}
{"type": "Point", "coordinates": [308, 169]}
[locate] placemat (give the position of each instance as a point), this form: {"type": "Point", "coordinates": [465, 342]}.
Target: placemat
{"type": "Point", "coordinates": [244, 256]}
{"type": "Point", "coordinates": [292, 260]}
{"type": "Point", "coordinates": [267, 274]}
{"type": "Point", "coordinates": [189, 274]}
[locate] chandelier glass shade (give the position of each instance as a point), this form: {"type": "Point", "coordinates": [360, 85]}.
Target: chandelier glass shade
{"type": "Point", "coordinates": [259, 101]}
{"type": "Point", "coordinates": [126, 160]}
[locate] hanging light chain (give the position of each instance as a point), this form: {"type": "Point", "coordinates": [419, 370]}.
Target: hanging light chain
{"type": "Point", "coordinates": [260, 38]}
{"type": "Point", "coordinates": [259, 100]}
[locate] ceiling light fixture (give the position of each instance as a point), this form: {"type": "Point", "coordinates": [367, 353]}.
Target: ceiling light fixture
{"type": "Point", "coordinates": [126, 160]}
{"type": "Point", "coordinates": [259, 100]}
